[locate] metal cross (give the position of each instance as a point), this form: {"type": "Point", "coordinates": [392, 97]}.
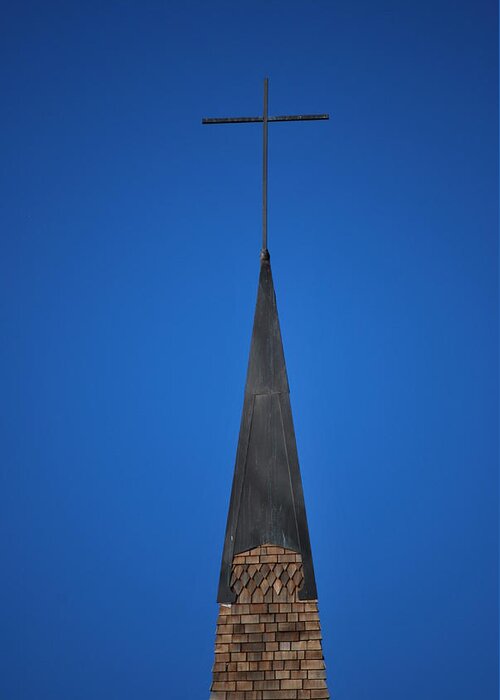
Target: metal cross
{"type": "Point", "coordinates": [265, 119]}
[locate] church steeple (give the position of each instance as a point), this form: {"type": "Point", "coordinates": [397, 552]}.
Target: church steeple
{"type": "Point", "coordinates": [268, 639]}
{"type": "Point", "coordinates": [267, 502]}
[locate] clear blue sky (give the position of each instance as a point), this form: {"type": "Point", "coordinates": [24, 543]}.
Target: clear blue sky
{"type": "Point", "coordinates": [128, 269]}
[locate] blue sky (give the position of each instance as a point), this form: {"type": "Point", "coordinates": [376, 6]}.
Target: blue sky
{"type": "Point", "coordinates": [129, 242]}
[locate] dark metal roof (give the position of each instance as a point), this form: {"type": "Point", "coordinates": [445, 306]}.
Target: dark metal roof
{"type": "Point", "coordinates": [267, 502]}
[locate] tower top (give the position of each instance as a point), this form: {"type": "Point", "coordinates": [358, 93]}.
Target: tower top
{"type": "Point", "coordinates": [267, 502]}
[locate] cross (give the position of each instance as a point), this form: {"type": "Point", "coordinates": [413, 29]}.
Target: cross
{"type": "Point", "coordinates": [265, 119]}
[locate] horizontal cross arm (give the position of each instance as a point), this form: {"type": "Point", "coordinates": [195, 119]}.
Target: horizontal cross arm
{"type": "Point", "coordinates": [299, 118]}
{"type": "Point", "coordinates": [283, 118]}
{"type": "Point", "coordinates": [232, 120]}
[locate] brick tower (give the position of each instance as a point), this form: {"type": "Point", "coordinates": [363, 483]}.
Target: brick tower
{"type": "Point", "coordinates": [268, 638]}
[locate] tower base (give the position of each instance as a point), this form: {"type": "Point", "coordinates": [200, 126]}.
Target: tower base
{"type": "Point", "coordinates": [268, 643]}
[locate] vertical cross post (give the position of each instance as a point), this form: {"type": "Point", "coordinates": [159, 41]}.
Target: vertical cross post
{"type": "Point", "coordinates": [264, 167]}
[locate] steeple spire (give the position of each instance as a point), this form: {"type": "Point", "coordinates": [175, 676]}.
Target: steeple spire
{"type": "Point", "coordinates": [267, 502]}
